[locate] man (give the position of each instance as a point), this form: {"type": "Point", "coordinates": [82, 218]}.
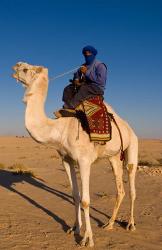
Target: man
{"type": "Point", "coordinates": [88, 81]}
{"type": "Point", "coordinates": [87, 88]}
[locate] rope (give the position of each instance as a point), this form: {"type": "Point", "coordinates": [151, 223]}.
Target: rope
{"type": "Point", "coordinates": [63, 74]}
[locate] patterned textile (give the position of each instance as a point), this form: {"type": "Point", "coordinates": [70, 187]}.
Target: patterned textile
{"type": "Point", "coordinates": [99, 126]}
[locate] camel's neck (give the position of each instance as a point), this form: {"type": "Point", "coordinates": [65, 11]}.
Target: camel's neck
{"type": "Point", "coordinates": [37, 123]}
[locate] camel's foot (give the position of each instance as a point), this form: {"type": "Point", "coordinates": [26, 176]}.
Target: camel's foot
{"type": "Point", "coordinates": [131, 227]}
{"type": "Point", "coordinates": [87, 241]}
{"type": "Point", "coordinates": [108, 226]}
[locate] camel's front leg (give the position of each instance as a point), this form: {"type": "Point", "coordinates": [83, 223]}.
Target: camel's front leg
{"type": "Point", "coordinates": [70, 170]}
{"type": "Point", "coordinates": [118, 172]}
{"type": "Point", "coordinates": [85, 175]}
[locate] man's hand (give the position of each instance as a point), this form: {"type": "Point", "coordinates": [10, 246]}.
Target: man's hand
{"type": "Point", "coordinates": [76, 82]}
{"type": "Point", "coordinates": [83, 69]}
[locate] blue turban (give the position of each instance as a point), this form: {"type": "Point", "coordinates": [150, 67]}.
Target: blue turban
{"type": "Point", "coordinates": [90, 49]}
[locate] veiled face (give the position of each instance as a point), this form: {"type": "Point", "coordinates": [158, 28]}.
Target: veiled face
{"type": "Point", "coordinates": [26, 73]}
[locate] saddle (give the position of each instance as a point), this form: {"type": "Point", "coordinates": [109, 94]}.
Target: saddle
{"type": "Point", "coordinates": [94, 118]}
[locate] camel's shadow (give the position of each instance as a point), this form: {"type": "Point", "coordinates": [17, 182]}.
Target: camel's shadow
{"type": "Point", "coordinates": [8, 181]}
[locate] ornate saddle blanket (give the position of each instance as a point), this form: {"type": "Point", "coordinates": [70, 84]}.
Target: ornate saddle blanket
{"type": "Point", "coordinates": [94, 118]}
{"type": "Point", "coordinates": [98, 121]}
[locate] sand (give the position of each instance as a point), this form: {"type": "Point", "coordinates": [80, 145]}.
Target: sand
{"type": "Point", "coordinates": [36, 208]}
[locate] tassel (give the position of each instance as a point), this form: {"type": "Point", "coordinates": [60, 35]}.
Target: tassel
{"type": "Point", "coordinates": [122, 156]}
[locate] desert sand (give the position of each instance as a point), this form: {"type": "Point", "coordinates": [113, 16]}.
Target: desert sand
{"type": "Point", "coordinates": [36, 207]}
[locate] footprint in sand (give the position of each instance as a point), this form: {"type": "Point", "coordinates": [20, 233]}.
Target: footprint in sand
{"type": "Point", "coordinates": [147, 211]}
{"type": "Point", "coordinates": [152, 171]}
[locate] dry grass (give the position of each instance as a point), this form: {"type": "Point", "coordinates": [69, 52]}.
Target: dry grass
{"type": "Point", "coordinates": [20, 169]}
{"type": "Point", "coordinates": [54, 157]}
{"type": "Point", "coordinates": [102, 195]}
{"type": "Point", "coordinates": [160, 161]}
{"type": "Point", "coordinates": [2, 166]}
{"type": "Point", "coordinates": [145, 163]}
{"type": "Point", "coordinates": [149, 163]}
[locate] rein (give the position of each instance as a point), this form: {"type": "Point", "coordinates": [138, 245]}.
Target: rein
{"type": "Point", "coordinates": [63, 74]}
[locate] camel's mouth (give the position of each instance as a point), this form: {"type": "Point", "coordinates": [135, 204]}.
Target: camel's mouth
{"type": "Point", "coordinates": [14, 75]}
{"type": "Point", "coordinates": [17, 77]}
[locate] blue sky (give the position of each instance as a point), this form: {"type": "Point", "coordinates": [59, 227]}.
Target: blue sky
{"type": "Point", "coordinates": [127, 34]}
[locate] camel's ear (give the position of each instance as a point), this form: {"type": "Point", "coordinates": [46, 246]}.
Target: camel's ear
{"type": "Point", "coordinates": [39, 69]}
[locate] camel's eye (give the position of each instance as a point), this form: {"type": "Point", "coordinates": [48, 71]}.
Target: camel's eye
{"type": "Point", "coordinates": [25, 70]}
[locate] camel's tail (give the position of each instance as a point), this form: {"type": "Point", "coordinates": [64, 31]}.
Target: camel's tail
{"type": "Point", "coordinates": [131, 153]}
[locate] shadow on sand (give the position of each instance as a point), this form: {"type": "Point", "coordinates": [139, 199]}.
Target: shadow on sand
{"type": "Point", "coordinates": [8, 181]}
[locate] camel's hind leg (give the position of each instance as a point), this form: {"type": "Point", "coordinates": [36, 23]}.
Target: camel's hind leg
{"type": "Point", "coordinates": [132, 161]}
{"type": "Point", "coordinates": [131, 172]}
{"type": "Point", "coordinates": [118, 172]}
{"type": "Point", "coordinates": [70, 170]}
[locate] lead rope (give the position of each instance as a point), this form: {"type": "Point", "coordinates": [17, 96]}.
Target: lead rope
{"type": "Point", "coordinates": [63, 74]}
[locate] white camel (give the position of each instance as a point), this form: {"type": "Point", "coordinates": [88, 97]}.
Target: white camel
{"type": "Point", "coordinates": [63, 134]}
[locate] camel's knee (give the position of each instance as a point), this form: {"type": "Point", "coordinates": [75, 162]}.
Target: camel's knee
{"type": "Point", "coordinates": [120, 188]}
{"type": "Point", "coordinates": [85, 204]}
{"type": "Point", "coordinates": [133, 195]}
{"type": "Point", "coordinates": [121, 194]}
{"type": "Point", "coordinates": [131, 168]}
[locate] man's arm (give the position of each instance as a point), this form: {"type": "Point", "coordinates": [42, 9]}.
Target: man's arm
{"type": "Point", "coordinates": [100, 76]}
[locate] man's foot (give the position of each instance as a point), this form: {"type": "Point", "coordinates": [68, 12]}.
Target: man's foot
{"type": "Point", "coordinates": [65, 113]}
{"type": "Point", "coordinates": [57, 113]}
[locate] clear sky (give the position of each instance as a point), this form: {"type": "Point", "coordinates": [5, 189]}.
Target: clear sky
{"type": "Point", "coordinates": [127, 35]}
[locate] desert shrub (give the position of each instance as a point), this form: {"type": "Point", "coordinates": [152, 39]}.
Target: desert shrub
{"type": "Point", "coordinates": [2, 166]}
{"type": "Point", "coordinates": [101, 194]}
{"type": "Point", "coordinates": [144, 163]}
{"type": "Point", "coordinates": [54, 157]}
{"type": "Point", "coordinates": [160, 161]}
{"type": "Point", "coordinates": [20, 169]}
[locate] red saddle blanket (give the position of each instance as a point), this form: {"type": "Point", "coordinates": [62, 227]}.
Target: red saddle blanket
{"type": "Point", "coordinates": [99, 125]}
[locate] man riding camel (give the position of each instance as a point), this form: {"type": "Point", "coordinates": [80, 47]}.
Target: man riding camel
{"type": "Point", "coordinates": [88, 81]}
{"type": "Point", "coordinates": [85, 95]}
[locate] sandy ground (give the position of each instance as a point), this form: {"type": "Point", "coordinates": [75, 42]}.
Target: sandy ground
{"type": "Point", "coordinates": [35, 213]}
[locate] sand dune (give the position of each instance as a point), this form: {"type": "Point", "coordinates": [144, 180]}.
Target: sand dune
{"type": "Point", "coordinates": [37, 208]}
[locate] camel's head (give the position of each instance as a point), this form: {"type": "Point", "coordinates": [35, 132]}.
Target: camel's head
{"type": "Point", "coordinates": [28, 74]}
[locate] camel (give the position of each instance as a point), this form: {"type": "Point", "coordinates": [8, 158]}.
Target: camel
{"type": "Point", "coordinates": [75, 148]}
